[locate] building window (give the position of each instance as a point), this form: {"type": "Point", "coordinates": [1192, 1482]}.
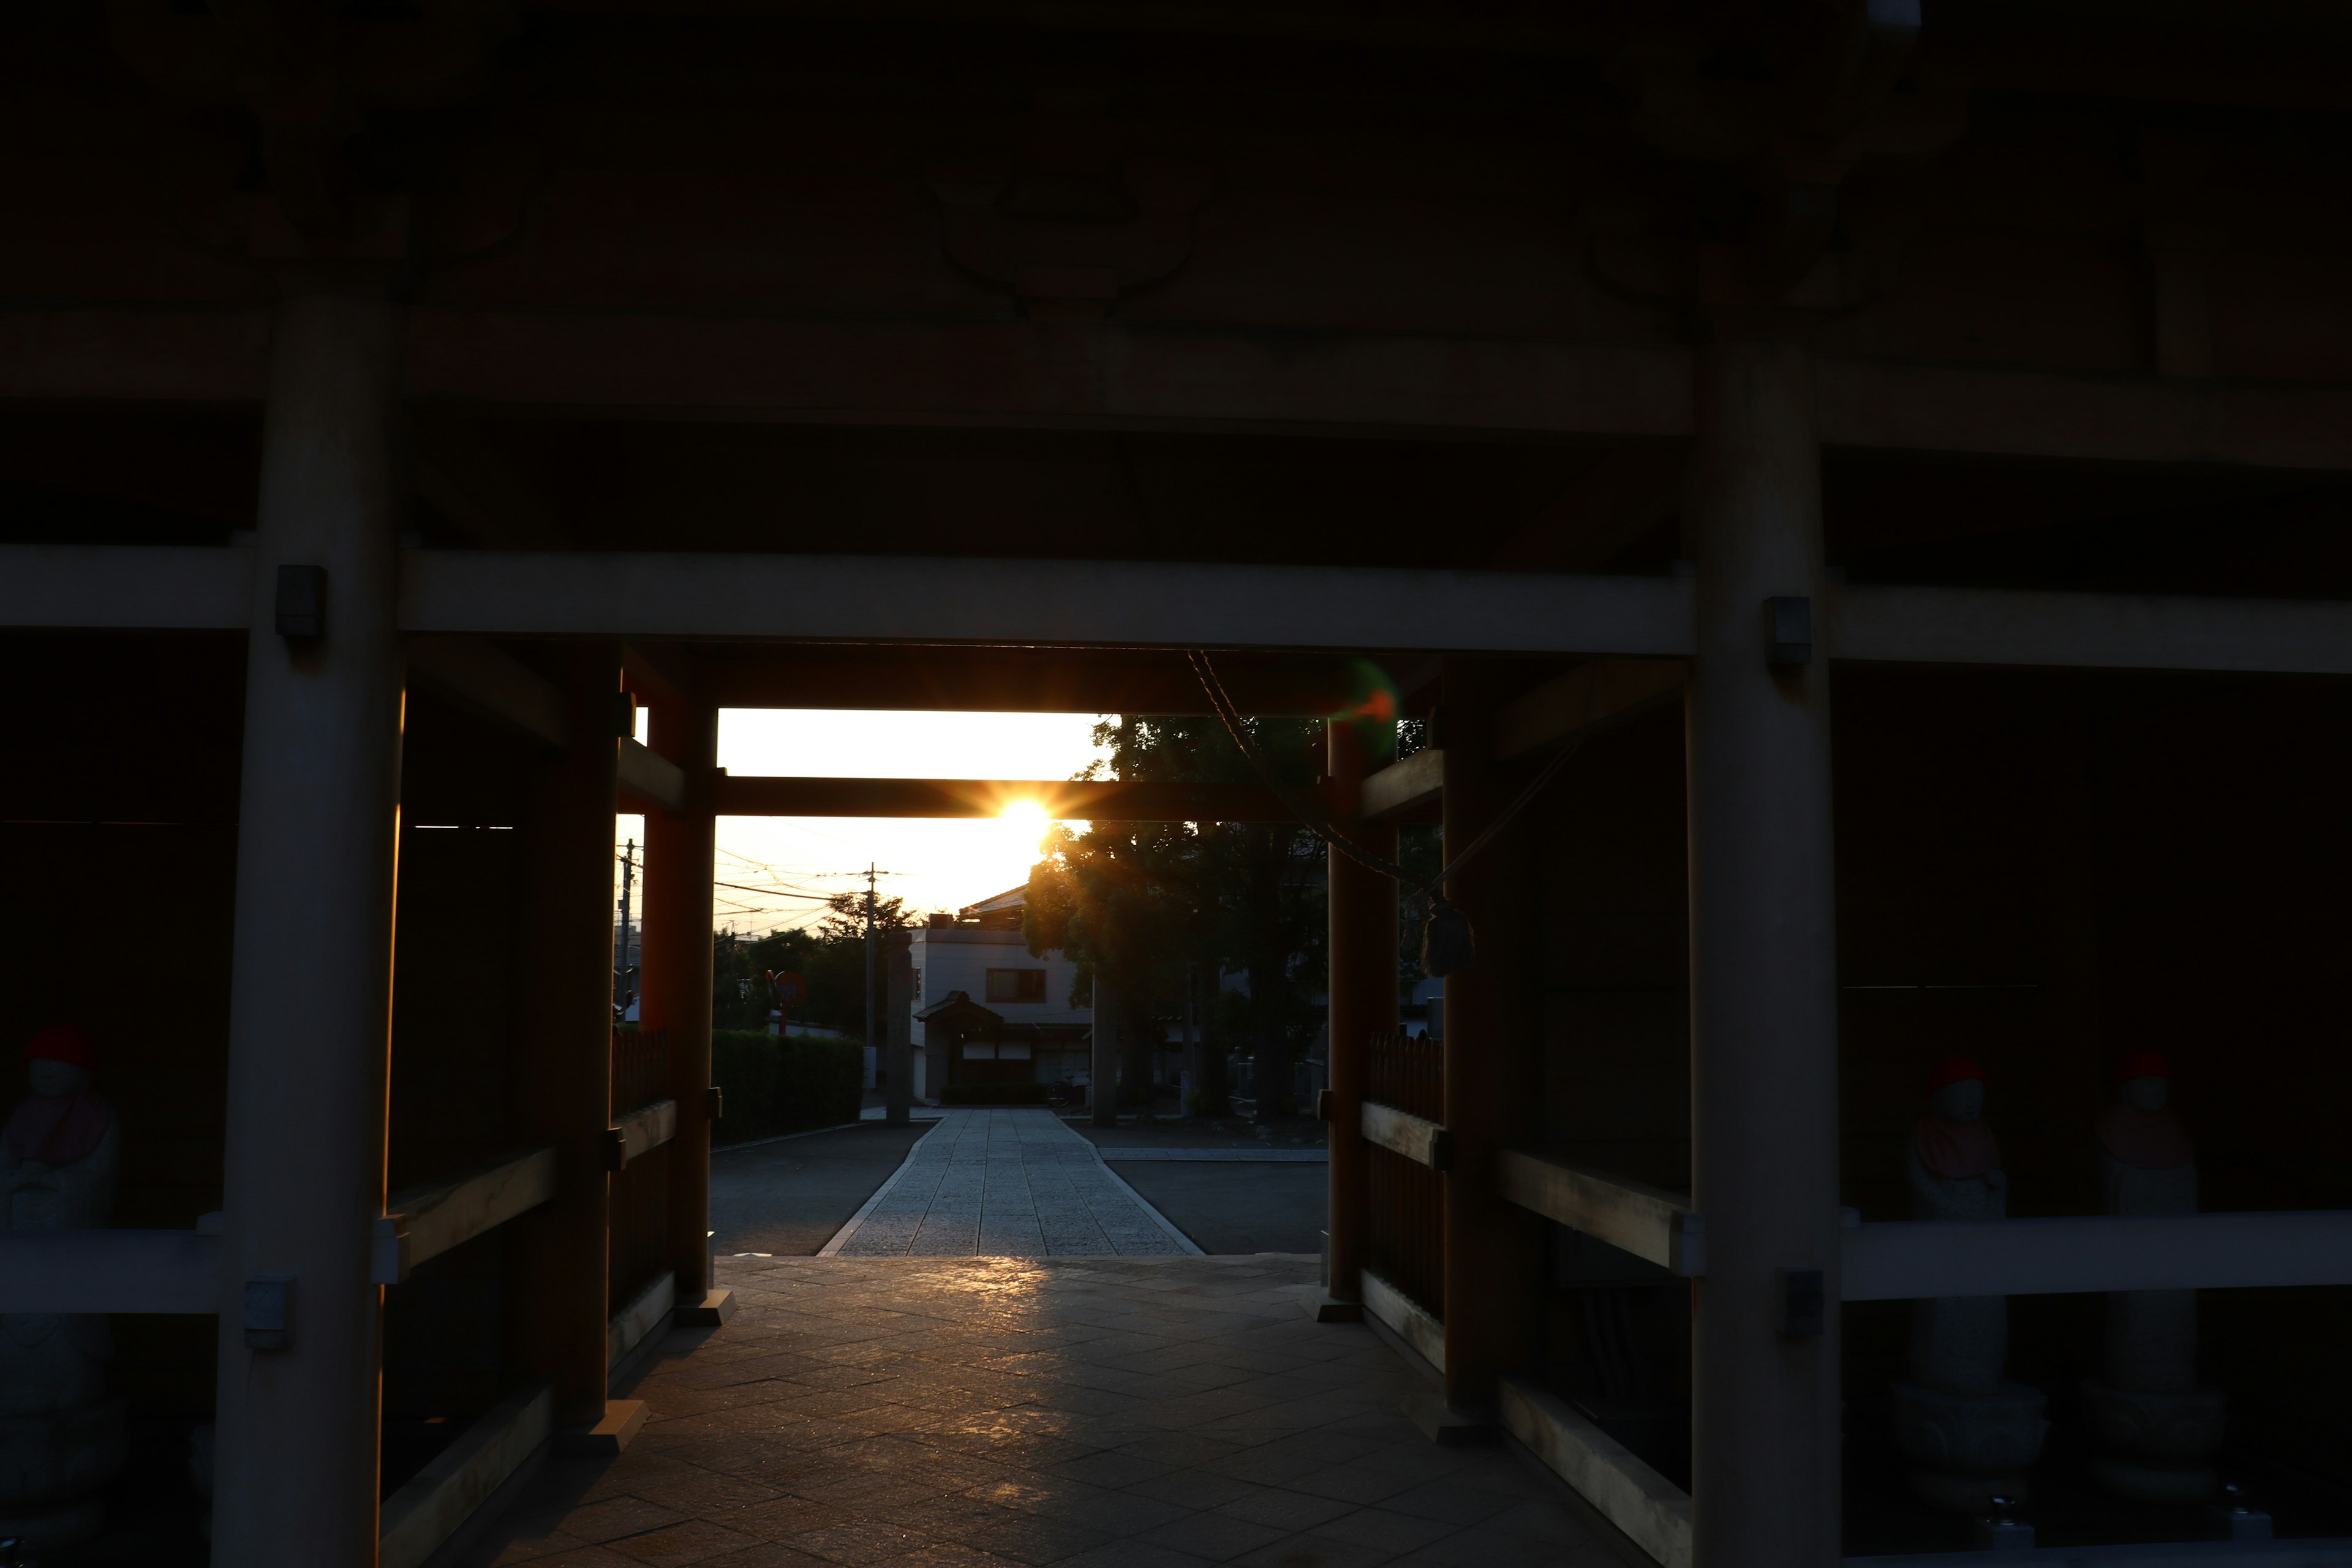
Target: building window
{"type": "Point", "coordinates": [979, 1052]}
{"type": "Point", "coordinates": [1016, 985]}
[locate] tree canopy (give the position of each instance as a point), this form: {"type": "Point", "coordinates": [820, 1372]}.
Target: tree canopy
{"type": "Point", "coordinates": [1150, 905]}
{"type": "Point", "coordinates": [829, 960]}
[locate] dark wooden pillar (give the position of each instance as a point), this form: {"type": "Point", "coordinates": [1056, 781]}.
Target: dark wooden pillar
{"type": "Point", "coordinates": [562, 1089]}
{"type": "Point", "coordinates": [1361, 937]}
{"type": "Point", "coordinates": [1493, 1250]}
{"type": "Point", "coordinates": [310, 978]}
{"type": "Point", "coordinates": [674, 985]}
{"type": "Point", "coordinates": [1764, 1071]}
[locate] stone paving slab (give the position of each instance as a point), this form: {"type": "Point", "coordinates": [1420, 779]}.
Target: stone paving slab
{"type": "Point", "coordinates": [1020, 1412]}
{"type": "Point", "coordinates": [1013, 1183]}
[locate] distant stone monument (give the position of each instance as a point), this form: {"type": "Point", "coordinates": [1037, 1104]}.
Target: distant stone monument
{"type": "Point", "coordinates": [1968, 1431]}
{"type": "Point", "coordinates": [2156, 1427]}
{"type": "Point", "coordinates": [61, 1439]}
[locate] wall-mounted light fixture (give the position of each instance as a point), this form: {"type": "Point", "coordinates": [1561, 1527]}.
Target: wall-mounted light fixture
{"type": "Point", "coordinates": [301, 603]}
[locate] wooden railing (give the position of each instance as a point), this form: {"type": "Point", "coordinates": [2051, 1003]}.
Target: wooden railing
{"type": "Point", "coordinates": [1402, 1124]}
{"type": "Point", "coordinates": [640, 1069]}
{"type": "Point", "coordinates": [643, 1118]}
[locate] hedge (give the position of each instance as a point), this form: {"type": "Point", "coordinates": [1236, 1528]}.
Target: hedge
{"type": "Point", "coordinates": [784, 1083]}
{"type": "Point", "coordinates": [994, 1094]}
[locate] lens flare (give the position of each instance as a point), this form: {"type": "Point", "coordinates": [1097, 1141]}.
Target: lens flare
{"type": "Point", "coordinates": [1372, 706]}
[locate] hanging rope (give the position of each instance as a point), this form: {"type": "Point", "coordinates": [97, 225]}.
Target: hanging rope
{"type": "Point", "coordinates": [1447, 940]}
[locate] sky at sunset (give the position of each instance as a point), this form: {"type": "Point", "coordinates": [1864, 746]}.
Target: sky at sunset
{"type": "Point", "coordinates": [775, 863]}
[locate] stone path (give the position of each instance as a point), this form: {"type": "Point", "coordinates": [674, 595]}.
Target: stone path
{"type": "Point", "coordinates": [1007, 1184]}
{"type": "Point", "coordinates": [1002, 1413]}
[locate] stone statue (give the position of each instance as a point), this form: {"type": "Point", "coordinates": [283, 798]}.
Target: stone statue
{"type": "Point", "coordinates": [2155, 1425]}
{"type": "Point", "coordinates": [1968, 1431]}
{"type": "Point", "coordinates": [61, 1439]}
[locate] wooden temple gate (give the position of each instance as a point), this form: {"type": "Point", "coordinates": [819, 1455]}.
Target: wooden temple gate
{"type": "Point", "coordinates": [392, 399]}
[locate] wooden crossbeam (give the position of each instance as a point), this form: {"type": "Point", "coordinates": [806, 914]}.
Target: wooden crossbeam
{"type": "Point", "coordinates": [1124, 604]}
{"type": "Point", "coordinates": [1422, 1142]}
{"type": "Point", "coordinates": [1107, 800]}
{"type": "Point", "coordinates": [1405, 785]}
{"type": "Point", "coordinates": [141, 588]}
{"type": "Point", "coordinates": [1648, 1222]}
{"type": "Point", "coordinates": [2089, 631]}
{"type": "Point", "coordinates": [637, 1134]}
{"type": "Point", "coordinates": [651, 778]}
{"type": "Point", "coordinates": [110, 1271]}
{"type": "Point", "coordinates": [1597, 695]}
{"type": "Point", "coordinates": [488, 682]}
{"type": "Point", "coordinates": [426, 1221]}
{"type": "Point", "coordinates": [1905, 1259]}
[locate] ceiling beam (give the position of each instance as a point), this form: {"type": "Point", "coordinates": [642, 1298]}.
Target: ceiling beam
{"type": "Point", "coordinates": [1887, 624]}
{"type": "Point", "coordinates": [1128, 375]}
{"type": "Point", "coordinates": [1115, 604]}
{"type": "Point", "coordinates": [1020, 680]}
{"type": "Point", "coordinates": [1071, 605]}
{"type": "Point", "coordinates": [1097, 800]}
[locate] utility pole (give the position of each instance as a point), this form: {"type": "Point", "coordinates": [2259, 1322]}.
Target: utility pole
{"type": "Point", "coordinates": [620, 944]}
{"type": "Point", "coordinates": [1191, 1084]}
{"type": "Point", "coordinates": [872, 1055]}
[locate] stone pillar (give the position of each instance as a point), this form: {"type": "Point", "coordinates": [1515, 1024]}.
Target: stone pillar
{"type": "Point", "coordinates": [898, 1031]}
{"type": "Point", "coordinates": [1764, 1087]}
{"type": "Point", "coordinates": [1363, 958]}
{"type": "Point", "coordinates": [1105, 1092]}
{"type": "Point", "coordinates": [1494, 1249]}
{"type": "Point", "coordinates": [560, 1084]}
{"type": "Point", "coordinates": [310, 984]}
{"type": "Point", "coordinates": [674, 978]}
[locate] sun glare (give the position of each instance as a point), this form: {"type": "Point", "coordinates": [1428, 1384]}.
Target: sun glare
{"type": "Point", "coordinates": [1024, 821]}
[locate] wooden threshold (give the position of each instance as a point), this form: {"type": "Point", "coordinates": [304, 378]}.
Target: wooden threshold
{"type": "Point", "coordinates": [439, 1498]}
{"type": "Point", "coordinates": [1406, 1318]}
{"type": "Point", "coordinates": [1653, 1513]}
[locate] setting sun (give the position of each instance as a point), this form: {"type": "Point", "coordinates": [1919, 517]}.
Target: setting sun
{"type": "Point", "coordinates": [777, 870]}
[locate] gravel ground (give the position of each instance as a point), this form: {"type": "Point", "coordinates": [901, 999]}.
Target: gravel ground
{"type": "Point", "coordinates": [788, 1197]}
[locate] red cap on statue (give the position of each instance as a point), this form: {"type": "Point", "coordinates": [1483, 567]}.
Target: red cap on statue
{"type": "Point", "coordinates": [1952, 1070]}
{"type": "Point", "coordinates": [64, 1043]}
{"type": "Point", "coordinates": [2142, 1064]}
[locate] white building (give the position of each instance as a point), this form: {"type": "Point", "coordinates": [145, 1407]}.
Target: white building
{"type": "Point", "coordinates": [986, 1011]}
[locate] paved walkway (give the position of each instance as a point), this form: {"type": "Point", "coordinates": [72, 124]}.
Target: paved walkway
{"type": "Point", "coordinates": [1003, 1413]}
{"type": "Point", "coordinates": [1007, 1184]}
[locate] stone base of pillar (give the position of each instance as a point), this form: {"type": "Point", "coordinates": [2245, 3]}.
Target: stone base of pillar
{"type": "Point", "coordinates": [715, 1308]}
{"type": "Point", "coordinates": [1450, 1425]}
{"type": "Point", "coordinates": [2154, 1447]}
{"type": "Point", "coordinates": [54, 1530]}
{"type": "Point", "coordinates": [623, 1419]}
{"type": "Point", "coordinates": [1326, 1308]}
{"type": "Point", "coordinates": [51, 1468]}
{"type": "Point", "coordinates": [1967, 1449]}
